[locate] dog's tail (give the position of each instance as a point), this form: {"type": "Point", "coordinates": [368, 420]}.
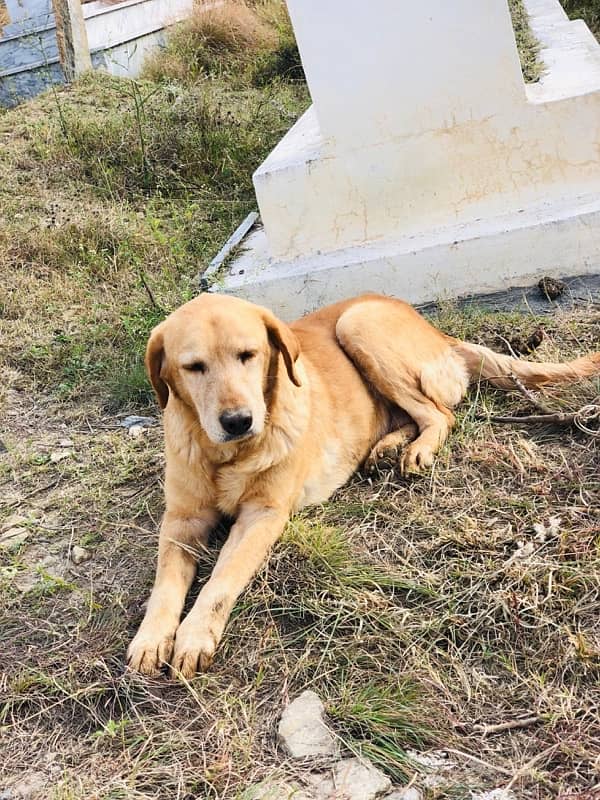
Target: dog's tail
{"type": "Point", "coordinates": [484, 364]}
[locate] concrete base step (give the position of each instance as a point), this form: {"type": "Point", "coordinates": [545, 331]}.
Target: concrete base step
{"type": "Point", "coordinates": [561, 239]}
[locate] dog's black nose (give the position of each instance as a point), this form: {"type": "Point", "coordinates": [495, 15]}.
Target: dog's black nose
{"type": "Point", "coordinates": [236, 421]}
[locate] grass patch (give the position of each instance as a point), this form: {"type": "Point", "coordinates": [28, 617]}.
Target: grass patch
{"type": "Point", "coordinates": [381, 723]}
{"type": "Point", "coordinates": [527, 45]}
{"type": "Point", "coordinates": [250, 45]}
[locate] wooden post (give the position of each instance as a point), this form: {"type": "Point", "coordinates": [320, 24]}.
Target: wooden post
{"type": "Point", "coordinates": [71, 37]}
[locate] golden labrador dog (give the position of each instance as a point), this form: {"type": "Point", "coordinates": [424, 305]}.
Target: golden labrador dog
{"type": "Point", "coordinates": [262, 418]}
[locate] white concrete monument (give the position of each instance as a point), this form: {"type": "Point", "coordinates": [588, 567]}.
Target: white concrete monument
{"type": "Point", "coordinates": [426, 166]}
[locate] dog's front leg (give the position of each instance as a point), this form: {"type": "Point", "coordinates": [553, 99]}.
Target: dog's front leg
{"type": "Point", "coordinates": [178, 542]}
{"type": "Point", "coordinates": [254, 533]}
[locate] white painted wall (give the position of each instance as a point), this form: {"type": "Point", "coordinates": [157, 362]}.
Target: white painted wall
{"type": "Point", "coordinates": [384, 69]}
{"type": "Point", "coordinates": [108, 26]}
{"type": "Point", "coordinates": [421, 121]}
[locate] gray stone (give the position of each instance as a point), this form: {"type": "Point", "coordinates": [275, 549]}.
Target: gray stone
{"type": "Point", "coordinates": [351, 779]}
{"type": "Point", "coordinates": [13, 537]}
{"type": "Point", "coordinates": [410, 793]}
{"type": "Point", "coordinates": [79, 554]}
{"type": "Point", "coordinates": [302, 729]}
{"type": "Point", "coordinates": [278, 790]}
{"type": "Point", "coordinates": [132, 420]}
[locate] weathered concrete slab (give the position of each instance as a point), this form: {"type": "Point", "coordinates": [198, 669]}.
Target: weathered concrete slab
{"type": "Point", "coordinates": [501, 257]}
{"type": "Point", "coordinates": [451, 180]}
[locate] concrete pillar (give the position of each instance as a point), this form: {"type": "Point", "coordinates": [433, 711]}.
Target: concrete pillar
{"type": "Point", "coordinates": [382, 70]}
{"type": "Point", "coordinates": [426, 165]}
{"type": "Point", "coordinates": [71, 36]}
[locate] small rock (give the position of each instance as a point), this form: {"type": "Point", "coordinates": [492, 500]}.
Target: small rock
{"type": "Point", "coordinates": [14, 537]}
{"type": "Point", "coordinates": [137, 430]}
{"type": "Point", "coordinates": [144, 422]}
{"type": "Point", "coordinates": [551, 288]}
{"type": "Point", "coordinates": [14, 521]}
{"type": "Point", "coordinates": [79, 554]}
{"type": "Point", "coordinates": [60, 455]}
{"type": "Point", "coordinates": [410, 793]}
{"type": "Point", "coordinates": [34, 785]}
{"type": "Point", "coordinates": [494, 794]}
{"type": "Point", "coordinates": [65, 443]}
{"type": "Point", "coordinates": [279, 790]}
{"type": "Point", "coordinates": [352, 779]}
{"type": "Point", "coordinates": [302, 729]}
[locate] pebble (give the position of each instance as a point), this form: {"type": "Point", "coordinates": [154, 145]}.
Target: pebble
{"type": "Point", "coordinates": [302, 729]}
{"type": "Point", "coordinates": [79, 554]}
{"type": "Point", "coordinates": [60, 455]}
{"type": "Point", "coordinates": [132, 420]}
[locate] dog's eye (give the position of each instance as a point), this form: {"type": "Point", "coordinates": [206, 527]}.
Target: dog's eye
{"type": "Point", "coordinates": [197, 366]}
{"type": "Point", "coordinates": [246, 355]}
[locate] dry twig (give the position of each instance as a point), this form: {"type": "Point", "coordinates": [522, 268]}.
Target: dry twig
{"type": "Point", "coordinates": [500, 727]}
{"type": "Point", "coordinates": [579, 418]}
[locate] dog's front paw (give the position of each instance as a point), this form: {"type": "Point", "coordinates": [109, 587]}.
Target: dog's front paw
{"type": "Point", "coordinates": [416, 457]}
{"type": "Point", "coordinates": [195, 647]}
{"type": "Point", "coordinates": [150, 650]}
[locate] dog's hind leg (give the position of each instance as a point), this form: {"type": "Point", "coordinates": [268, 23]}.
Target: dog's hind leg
{"type": "Point", "coordinates": [409, 363]}
{"type": "Point", "coordinates": [391, 446]}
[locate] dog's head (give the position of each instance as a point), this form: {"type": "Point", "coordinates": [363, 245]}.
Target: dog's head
{"type": "Point", "coordinates": [221, 357]}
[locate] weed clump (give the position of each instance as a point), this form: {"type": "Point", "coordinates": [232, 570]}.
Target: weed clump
{"type": "Point", "coordinates": [527, 44]}
{"type": "Point", "coordinates": [251, 45]}
{"type": "Point", "coordinates": [171, 141]}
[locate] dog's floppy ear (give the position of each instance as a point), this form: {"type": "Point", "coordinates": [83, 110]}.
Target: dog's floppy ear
{"type": "Point", "coordinates": [282, 337]}
{"type": "Point", "coordinates": [155, 356]}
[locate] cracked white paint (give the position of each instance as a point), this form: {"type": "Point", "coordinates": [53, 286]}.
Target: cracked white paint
{"type": "Point", "coordinates": [421, 122]}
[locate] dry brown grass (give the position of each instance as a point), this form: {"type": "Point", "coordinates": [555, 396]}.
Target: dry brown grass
{"type": "Point", "coordinates": [232, 27]}
{"type": "Point", "coordinates": [233, 38]}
